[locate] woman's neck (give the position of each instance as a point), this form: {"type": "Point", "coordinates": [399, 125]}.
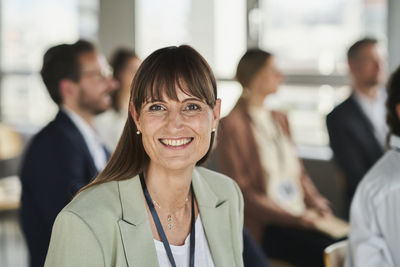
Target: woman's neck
{"type": "Point", "coordinates": [168, 188]}
{"type": "Point", "coordinates": [256, 100]}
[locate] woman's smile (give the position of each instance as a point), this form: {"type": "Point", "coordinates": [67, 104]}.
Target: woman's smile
{"type": "Point", "coordinates": [176, 143]}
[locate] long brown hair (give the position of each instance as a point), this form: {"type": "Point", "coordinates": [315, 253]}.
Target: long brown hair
{"type": "Point", "coordinates": [159, 74]}
{"type": "Point", "coordinates": [393, 99]}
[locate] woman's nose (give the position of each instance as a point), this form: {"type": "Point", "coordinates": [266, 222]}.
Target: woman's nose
{"type": "Point", "coordinates": [175, 119]}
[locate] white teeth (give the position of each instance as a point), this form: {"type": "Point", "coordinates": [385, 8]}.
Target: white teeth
{"type": "Point", "coordinates": [175, 142]}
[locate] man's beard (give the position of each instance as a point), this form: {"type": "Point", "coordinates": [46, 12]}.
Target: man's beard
{"type": "Point", "coordinates": [93, 107]}
{"type": "Point", "coordinates": [372, 82]}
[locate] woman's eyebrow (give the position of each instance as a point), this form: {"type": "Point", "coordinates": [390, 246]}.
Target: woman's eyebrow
{"type": "Point", "coordinates": [155, 100]}
{"type": "Point", "coordinates": [191, 99]}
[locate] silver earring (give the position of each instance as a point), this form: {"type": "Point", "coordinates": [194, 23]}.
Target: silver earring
{"type": "Point", "coordinates": [213, 130]}
{"type": "Point", "coordinates": [137, 132]}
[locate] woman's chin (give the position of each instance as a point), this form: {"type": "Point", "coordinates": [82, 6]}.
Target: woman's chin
{"type": "Point", "coordinates": [178, 164]}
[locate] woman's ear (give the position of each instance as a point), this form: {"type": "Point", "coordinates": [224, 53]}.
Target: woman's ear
{"type": "Point", "coordinates": [216, 113]}
{"type": "Point", "coordinates": [134, 114]}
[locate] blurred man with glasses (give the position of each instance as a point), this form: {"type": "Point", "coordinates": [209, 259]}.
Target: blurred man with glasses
{"type": "Point", "coordinates": [68, 153]}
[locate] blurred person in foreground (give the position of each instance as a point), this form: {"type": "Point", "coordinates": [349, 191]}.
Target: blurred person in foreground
{"type": "Point", "coordinates": [256, 149]}
{"type": "Point", "coordinates": [356, 127]}
{"type": "Point", "coordinates": [66, 154]}
{"type": "Point", "coordinates": [152, 205]}
{"type": "Point", "coordinates": [374, 238]}
{"type": "Point", "coordinates": [110, 124]}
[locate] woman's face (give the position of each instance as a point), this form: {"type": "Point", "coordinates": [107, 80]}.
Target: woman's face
{"type": "Point", "coordinates": [267, 80]}
{"type": "Point", "coordinates": [176, 134]}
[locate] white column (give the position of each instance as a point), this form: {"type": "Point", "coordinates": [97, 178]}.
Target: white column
{"type": "Point", "coordinates": [116, 25]}
{"type": "Point", "coordinates": [202, 28]}
{"type": "Point", "coordinates": [393, 34]}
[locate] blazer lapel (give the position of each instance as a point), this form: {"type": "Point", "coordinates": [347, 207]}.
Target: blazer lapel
{"type": "Point", "coordinates": [363, 122]}
{"type": "Point", "coordinates": [134, 226]}
{"type": "Point", "coordinates": [136, 232]}
{"type": "Point", "coordinates": [216, 222]}
{"type": "Point", "coordinates": [69, 128]}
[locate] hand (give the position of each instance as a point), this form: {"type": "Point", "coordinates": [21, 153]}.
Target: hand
{"type": "Point", "coordinates": [306, 222]}
{"type": "Point", "coordinates": [321, 205]}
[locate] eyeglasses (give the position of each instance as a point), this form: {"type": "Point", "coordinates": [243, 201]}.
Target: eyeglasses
{"type": "Point", "coordinates": [100, 74]}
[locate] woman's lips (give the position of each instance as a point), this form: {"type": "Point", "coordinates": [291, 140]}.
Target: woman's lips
{"type": "Point", "coordinates": [176, 142]}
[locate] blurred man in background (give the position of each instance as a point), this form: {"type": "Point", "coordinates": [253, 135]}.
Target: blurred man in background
{"type": "Point", "coordinates": [357, 128]}
{"type": "Point", "coordinates": [374, 233]}
{"type": "Point", "coordinates": [66, 154]}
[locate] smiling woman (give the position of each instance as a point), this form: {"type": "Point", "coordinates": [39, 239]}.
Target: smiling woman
{"type": "Point", "coordinates": [151, 205]}
{"type": "Point", "coordinates": [176, 133]}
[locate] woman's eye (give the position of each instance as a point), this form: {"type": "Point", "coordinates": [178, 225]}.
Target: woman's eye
{"type": "Point", "coordinates": [192, 107]}
{"type": "Point", "coordinates": [156, 107]}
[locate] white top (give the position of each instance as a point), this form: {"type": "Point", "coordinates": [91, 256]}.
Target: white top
{"type": "Point", "coordinates": [375, 214]}
{"type": "Point", "coordinates": [202, 254]}
{"type": "Point", "coordinates": [279, 160]}
{"type": "Point", "coordinates": [92, 139]}
{"type": "Point", "coordinates": [375, 111]}
{"type": "Point", "coordinates": [110, 125]}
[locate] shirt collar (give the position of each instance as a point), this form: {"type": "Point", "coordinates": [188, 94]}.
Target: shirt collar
{"type": "Point", "coordinates": [83, 126]}
{"type": "Point", "coordinates": [394, 141]}
{"type": "Point", "coordinates": [364, 100]}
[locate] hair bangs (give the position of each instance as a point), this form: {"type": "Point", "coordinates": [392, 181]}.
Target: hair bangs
{"type": "Point", "coordinates": [181, 70]}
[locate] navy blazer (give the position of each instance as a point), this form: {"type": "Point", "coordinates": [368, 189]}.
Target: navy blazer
{"type": "Point", "coordinates": [353, 142]}
{"type": "Point", "coordinates": [56, 165]}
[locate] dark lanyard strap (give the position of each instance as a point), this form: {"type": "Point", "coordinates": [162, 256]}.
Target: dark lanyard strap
{"type": "Point", "coordinates": [161, 230]}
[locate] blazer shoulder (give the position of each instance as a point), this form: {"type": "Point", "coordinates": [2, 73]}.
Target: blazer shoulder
{"type": "Point", "coordinates": [49, 142]}
{"type": "Point", "coordinates": [56, 133]}
{"type": "Point", "coordinates": [97, 203]}
{"type": "Point", "coordinates": [48, 132]}
{"type": "Point", "coordinates": [342, 109]}
{"type": "Point", "coordinates": [218, 182]}
{"type": "Point", "coordinates": [213, 176]}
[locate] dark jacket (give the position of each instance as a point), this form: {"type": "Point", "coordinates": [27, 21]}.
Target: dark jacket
{"type": "Point", "coordinates": [56, 165]}
{"type": "Point", "coordinates": [353, 142]}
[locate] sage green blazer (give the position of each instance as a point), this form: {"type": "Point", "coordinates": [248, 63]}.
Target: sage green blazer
{"type": "Point", "coordinates": [108, 225]}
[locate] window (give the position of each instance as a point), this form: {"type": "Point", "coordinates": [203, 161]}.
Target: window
{"type": "Point", "coordinates": [28, 29]}
{"type": "Point", "coordinates": [310, 39]}
{"type": "Point", "coordinates": [217, 29]}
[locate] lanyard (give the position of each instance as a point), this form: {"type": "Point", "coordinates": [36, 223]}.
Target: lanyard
{"type": "Point", "coordinates": [161, 230]}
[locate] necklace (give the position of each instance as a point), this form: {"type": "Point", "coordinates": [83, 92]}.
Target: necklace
{"type": "Point", "coordinates": [161, 230]}
{"type": "Point", "coordinates": [170, 220]}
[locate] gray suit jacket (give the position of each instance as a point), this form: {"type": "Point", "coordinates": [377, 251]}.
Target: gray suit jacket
{"type": "Point", "coordinates": [108, 225]}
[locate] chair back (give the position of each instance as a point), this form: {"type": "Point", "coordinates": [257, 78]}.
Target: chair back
{"type": "Point", "coordinates": [335, 254]}
{"type": "Point", "coordinates": [10, 142]}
